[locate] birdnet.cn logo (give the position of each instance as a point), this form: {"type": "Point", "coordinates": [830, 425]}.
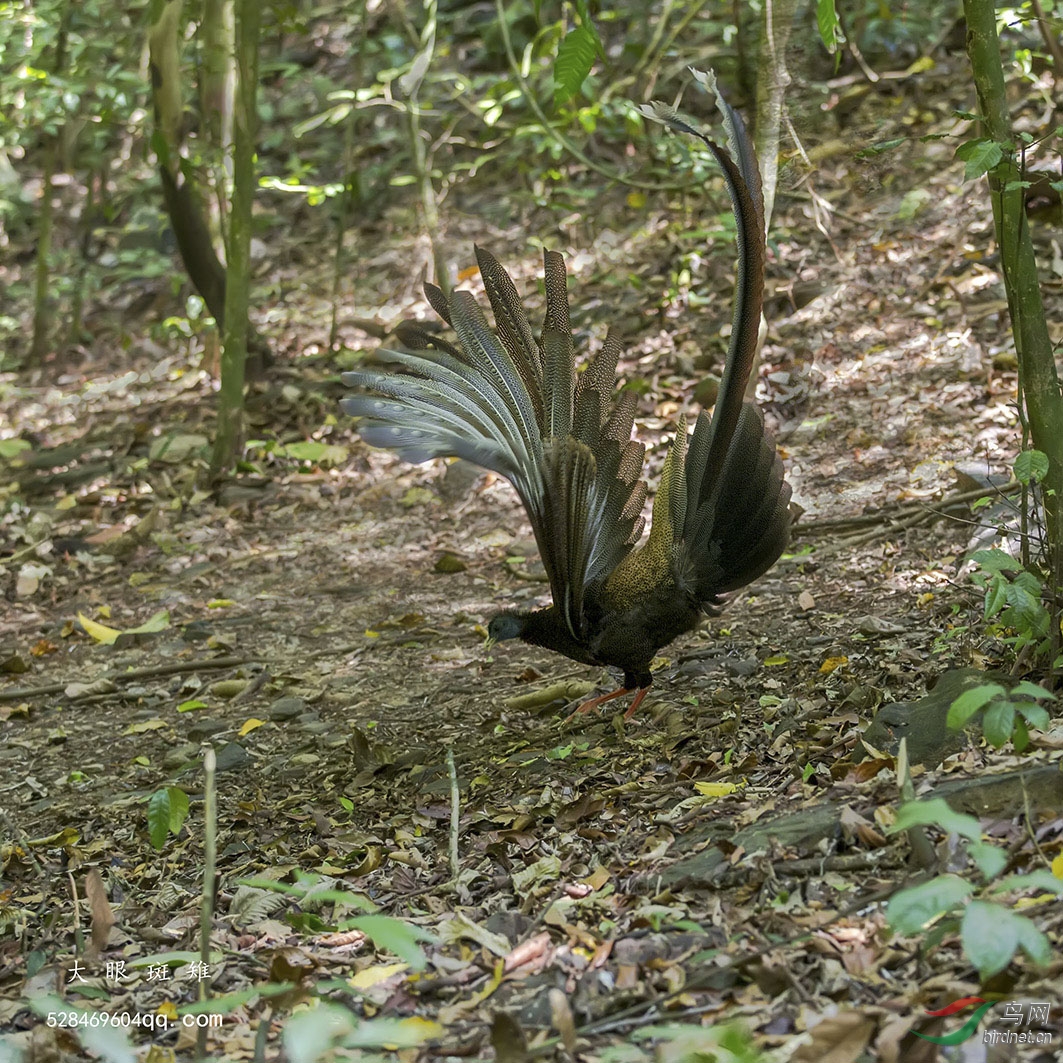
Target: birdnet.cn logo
{"type": "Point", "coordinates": [1021, 1023]}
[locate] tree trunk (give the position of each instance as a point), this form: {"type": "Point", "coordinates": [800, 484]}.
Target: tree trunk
{"type": "Point", "coordinates": [238, 279]}
{"type": "Point", "coordinates": [1038, 377]}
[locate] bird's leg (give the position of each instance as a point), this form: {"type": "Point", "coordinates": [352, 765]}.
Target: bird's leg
{"type": "Point", "coordinates": [636, 703]}
{"type": "Point", "coordinates": [593, 703]}
{"type": "Point", "coordinates": [590, 706]}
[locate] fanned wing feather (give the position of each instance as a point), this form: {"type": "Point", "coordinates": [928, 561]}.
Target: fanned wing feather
{"type": "Point", "coordinates": [559, 370]}
{"type": "Point", "coordinates": [516, 406]}
{"type": "Point", "coordinates": [512, 324]}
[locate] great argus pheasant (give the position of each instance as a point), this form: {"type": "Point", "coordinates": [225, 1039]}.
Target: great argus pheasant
{"type": "Point", "coordinates": [515, 404]}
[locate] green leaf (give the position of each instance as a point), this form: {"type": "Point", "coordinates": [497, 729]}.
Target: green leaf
{"type": "Point", "coordinates": [990, 935]}
{"type": "Point", "coordinates": [936, 813]}
{"type": "Point", "coordinates": [913, 202]}
{"type": "Point", "coordinates": [227, 1003]}
{"type": "Point", "coordinates": [587, 23]}
{"type": "Point", "coordinates": [1020, 735]}
{"type": "Point", "coordinates": [995, 561]}
{"type": "Point", "coordinates": [971, 702]}
{"type": "Point", "coordinates": [996, 597]}
{"type": "Point", "coordinates": [882, 146]}
{"type": "Point", "coordinates": [395, 936]}
{"type": "Point", "coordinates": [9, 448]}
{"type": "Point", "coordinates": [1031, 690]}
{"type": "Point", "coordinates": [312, 1034]}
{"type": "Point", "coordinates": [575, 56]}
{"type": "Point", "coordinates": [1034, 943]}
{"type": "Point", "coordinates": [160, 621]}
{"type": "Point", "coordinates": [392, 1034]}
{"type": "Point", "coordinates": [315, 1033]}
{"type": "Point", "coordinates": [980, 155]}
{"type": "Point", "coordinates": [910, 910]}
{"type": "Point", "coordinates": [1035, 715]}
{"type": "Point", "coordinates": [1041, 879]}
{"type": "Point", "coordinates": [167, 811]}
{"type": "Point", "coordinates": [998, 723]}
{"type": "Point", "coordinates": [989, 859]}
{"type": "Point", "coordinates": [178, 808]}
{"type": "Point", "coordinates": [319, 453]}
{"type": "Point", "coordinates": [305, 887]}
{"type": "Point", "coordinates": [827, 24]}
{"type": "Point", "coordinates": [1024, 596]}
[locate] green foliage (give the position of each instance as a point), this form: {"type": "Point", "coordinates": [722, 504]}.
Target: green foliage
{"type": "Point", "coordinates": [1015, 594]}
{"type": "Point", "coordinates": [674, 1042]}
{"type": "Point", "coordinates": [167, 812]}
{"type": "Point", "coordinates": [317, 1032]}
{"type": "Point", "coordinates": [309, 452]}
{"type": "Point", "coordinates": [979, 157]}
{"type": "Point", "coordinates": [946, 906]}
{"type": "Point", "coordinates": [1005, 714]}
{"type": "Point", "coordinates": [1031, 465]}
{"type": "Point", "coordinates": [11, 448]}
{"type": "Point", "coordinates": [936, 813]}
{"type": "Point", "coordinates": [333, 137]}
{"type": "Point", "coordinates": [828, 25]}
{"type": "Point", "coordinates": [1014, 601]}
{"type": "Point", "coordinates": [575, 55]}
{"type": "Point", "coordinates": [393, 935]}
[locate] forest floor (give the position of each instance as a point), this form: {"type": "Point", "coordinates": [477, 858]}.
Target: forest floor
{"type": "Point", "coordinates": [720, 861]}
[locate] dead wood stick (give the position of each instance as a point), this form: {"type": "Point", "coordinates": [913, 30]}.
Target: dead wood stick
{"type": "Point", "coordinates": [175, 668]}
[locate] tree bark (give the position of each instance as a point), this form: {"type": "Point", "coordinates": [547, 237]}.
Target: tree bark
{"type": "Point", "coordinates": [238, 281]}
{"type": "Point", "coordinates": [1038, 377]}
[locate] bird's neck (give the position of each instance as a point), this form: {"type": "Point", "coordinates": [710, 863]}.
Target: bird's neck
{"type": "Point", "coordinates": [547, 628]}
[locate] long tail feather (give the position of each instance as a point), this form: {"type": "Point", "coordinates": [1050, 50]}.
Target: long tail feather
{"type": "Point", "coordinates": [737, 516]}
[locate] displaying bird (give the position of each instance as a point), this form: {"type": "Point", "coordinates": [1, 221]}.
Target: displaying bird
{"type": "Point", "coordinates": [516, 405]}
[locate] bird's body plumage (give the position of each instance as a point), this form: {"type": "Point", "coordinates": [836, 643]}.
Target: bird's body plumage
{"type": "Point", "coordinates": [516, 405]}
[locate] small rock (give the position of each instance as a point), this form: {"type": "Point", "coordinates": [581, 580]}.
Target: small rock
{"type": "Point", "coordinates": [744, 667]}
{"type": "Point", "coordinates": [877, 625]}
{"type": "Point", "coordinates": [201, 729]}
{"type": "Point", "coordinates": [184, 755]}
{"type": "Point", "coordinates": [285, 708]}
{"type": "Point", "coordinates": [233, 755]}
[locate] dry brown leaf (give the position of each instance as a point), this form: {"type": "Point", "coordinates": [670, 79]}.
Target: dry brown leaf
{"type": "Point", "coordinates": [508, 1040]}
{"type": "Point", "coordinates": [564, 1023]}
{"type": "Point", "coordinates": [102, 916]}
{"type": "Point", "coordinates": [839, 1038]}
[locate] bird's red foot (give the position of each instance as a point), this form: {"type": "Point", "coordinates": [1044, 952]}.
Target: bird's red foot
{"type": "Point", "coordinates": [593, 703]}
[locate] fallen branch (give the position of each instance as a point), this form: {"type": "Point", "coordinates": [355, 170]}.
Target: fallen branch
{"type": "Point", "coordinates": [17, 693]}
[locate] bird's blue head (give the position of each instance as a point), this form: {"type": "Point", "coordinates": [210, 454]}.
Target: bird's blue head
{"type": "Point", "coordinates": [505, 625]}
